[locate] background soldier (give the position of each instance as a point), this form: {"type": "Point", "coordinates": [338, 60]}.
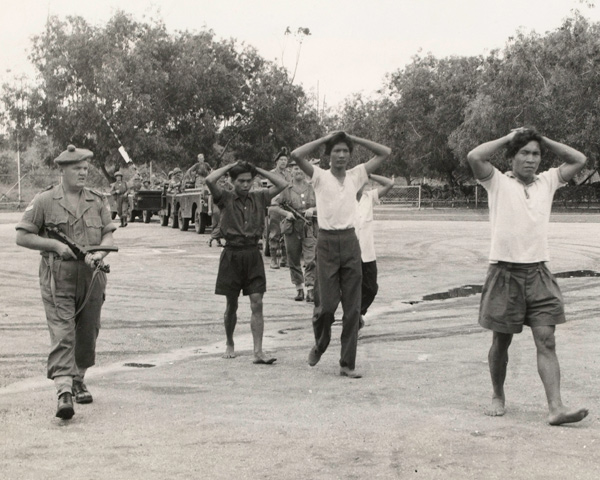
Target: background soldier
{"type": "Point", "coordinates": [195, 176]}
{"type": "Point", "coordinates": [175, 182]}
{"type": "Point", "coordinates": [300, 233]}
{"type": "Point", "coordinates": [72, 289]}
{"type": "Point", "coordinates": [119, 190]}
{"type": "Point", "coordinates": [275, 238]}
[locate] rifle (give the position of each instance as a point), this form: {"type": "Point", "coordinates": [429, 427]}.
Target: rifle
{"type": "Point", "coordinates": [79, 250]}
{"type": "Point", "coordinates": [298, 215]}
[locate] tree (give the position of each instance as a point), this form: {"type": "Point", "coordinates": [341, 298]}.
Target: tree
{"type": "Point", "coordinates": [427, 103]}
{"type": "Point", "coordinates": [551, 82]}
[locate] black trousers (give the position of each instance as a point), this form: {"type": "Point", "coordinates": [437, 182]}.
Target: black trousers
{"type": "Point", "coordinates": [339, 278]}
{"type": "Point", "coordinates": [369, 285]}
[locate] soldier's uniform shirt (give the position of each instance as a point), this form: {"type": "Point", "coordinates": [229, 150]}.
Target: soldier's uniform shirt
{"type": "Point", "coordinates": [86, 223]}
{"type": "Point", "coordinates": [119, 188]}
{"type": "Point", "coordinates": [300, 239]}
{"type": "Point", "coordinates": [73, 339]}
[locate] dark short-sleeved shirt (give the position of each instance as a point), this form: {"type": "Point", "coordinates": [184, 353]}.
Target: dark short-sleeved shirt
{"type": "Point", "coordinates": [86, 223]}
{"type": "Point", "coordinates": [243, 218]}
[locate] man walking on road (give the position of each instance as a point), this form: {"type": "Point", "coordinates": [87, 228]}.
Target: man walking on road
{"type": "Point", "coordinates": [72, 289]}
{"type": "Point", "coordinates": [339, 273]}
{"type": "Point", "coordinates": [119, 191]}
{"type": "Point", "coordinates": [299, 230]}
{"type": "Point", "coordinates": [519, 289]}
{"type": "Point", "coordinates": [241, 266]}
{"type": "Point", "coordinates": [367, 199]}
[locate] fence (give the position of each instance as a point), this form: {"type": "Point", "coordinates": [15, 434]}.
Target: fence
{"type": "Point", "coordinates": [31, 184]}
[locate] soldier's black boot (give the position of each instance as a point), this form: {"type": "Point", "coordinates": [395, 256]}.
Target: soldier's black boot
{"type": "Point", "coordinates": [65, 409]}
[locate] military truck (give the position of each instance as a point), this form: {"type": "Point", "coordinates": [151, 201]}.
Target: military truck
{"type": "Point", "coordinates": [144, 204]}
{"type": "Point", "coordinates": [188, 207]}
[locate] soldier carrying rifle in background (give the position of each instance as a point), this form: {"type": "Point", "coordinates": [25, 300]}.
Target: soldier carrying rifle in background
{"type": "Point", "coordinates": [297, 205]}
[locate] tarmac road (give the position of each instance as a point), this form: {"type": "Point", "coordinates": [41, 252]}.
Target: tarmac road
{"type": "Point", "coordinates": [166, 405]}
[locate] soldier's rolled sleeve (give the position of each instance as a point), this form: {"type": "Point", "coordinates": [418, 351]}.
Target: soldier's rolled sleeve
{"type": "Point", "coordinates": [107, 223]}
{"type": "Point", "coordinates": [33, 218]}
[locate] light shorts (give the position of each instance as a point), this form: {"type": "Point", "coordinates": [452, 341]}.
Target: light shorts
{"type": "Point", "coordinates": [520, 294]}
{"type": "Point", "coordinates": [241, 268]}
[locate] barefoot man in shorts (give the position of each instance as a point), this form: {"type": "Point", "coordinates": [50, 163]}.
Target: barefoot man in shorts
{"type": "Point", "coordinates": [241, 267]}
{"type": "Point", "coordinates": [519, 289]}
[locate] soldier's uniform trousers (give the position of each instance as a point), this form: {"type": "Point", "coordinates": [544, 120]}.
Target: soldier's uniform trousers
{"type": "Point", "coordinates": [300, 245]}
{"type": "Point", "coordinates": [73, 338]}
{"type": "Point", "coordinates": [276, 240]}
{"type": "Point", "coordinates": [122, 202]}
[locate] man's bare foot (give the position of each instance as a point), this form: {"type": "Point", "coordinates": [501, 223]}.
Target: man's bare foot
{"type": "Point", "coordinates": [564, 416]}
{"type": "Point", "coordinates": [262, 359]}
{"type": "Point", "coordinates": [229, 352]}
{"type": "Point", "coordinates": [496, 409]}
{"type": "Point", "coordinates": [346, 372]}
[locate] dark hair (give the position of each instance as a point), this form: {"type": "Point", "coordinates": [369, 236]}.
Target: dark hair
{"type": "Point", "coordinates": [242, 167]}
{"type": "Point", "coordinates": [521, 139]}
{"type": "Point", "coordinates": [282, 153]}
{"type": "Point", "coordinates": [340, 137]}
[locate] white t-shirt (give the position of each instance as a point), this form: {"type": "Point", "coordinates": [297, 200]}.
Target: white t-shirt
{"type": "Point", "coordinates": [336, 202]}
{"type": "Point", "coordinates": [520, 215]}
{"type": "Point", "coordinates": [364, 224]}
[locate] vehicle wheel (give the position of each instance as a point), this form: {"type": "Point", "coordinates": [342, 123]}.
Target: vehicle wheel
{"type": "Point", "coordinates": [147, 215]}
{"type": "Point", "coordinates": [265, 239]}
{"type": "Point", "coordinates": [164, 220]}
{"type": "Point", "coordinates": [198, 222]}
{"type": "Point", "coordinates": [204, 222]}
{"type": "Point", "coordinates": [113, 215]}
{"type": "Point", "coordinates": [175, 223]}
{"type": "Point", "coordinates": [184, 223]}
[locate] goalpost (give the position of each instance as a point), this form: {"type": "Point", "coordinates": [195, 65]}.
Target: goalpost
{"type": "Point", "coordinates": [408, 195]}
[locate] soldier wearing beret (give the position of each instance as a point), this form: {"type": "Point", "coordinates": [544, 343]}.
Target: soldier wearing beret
{"type": "Point", "coordinates": [72, 290]}
{"type": "Point", "coordinates": [276, 241]}
{"type": "Point", "coordinates": [119, 190]}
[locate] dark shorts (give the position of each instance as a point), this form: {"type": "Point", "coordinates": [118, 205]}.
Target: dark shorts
{"type": "Point", "coordinates": [241, 269]}
{"type": "Point", "coordinates": [520, 294]}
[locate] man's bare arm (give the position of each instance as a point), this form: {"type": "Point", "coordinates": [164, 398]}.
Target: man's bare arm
{"type": "Point", "coordinates": [479, 157]}
{"type": "Point", "coordinates": [385, 183]}
{"type": "Point", "coordinates": [301, 154]}
{"type": "Point", "coordinates": [34, 242]}
{"type": "Point", "coordinates": [212, 181]}
{"type": "Point", "coordinates": [381, 152]}
{"type": "Point", "coordinates": [573, 160]}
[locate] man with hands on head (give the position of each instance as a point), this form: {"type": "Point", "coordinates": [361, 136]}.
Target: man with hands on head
{"type": "Point", "coordinates": [339, 274]}
{"type": "Point", "coordinates": [367, 199]}
{"type": "Point", "coordinates": [519, 288]}
{"type": "Point", "coordinates": [241, 266]}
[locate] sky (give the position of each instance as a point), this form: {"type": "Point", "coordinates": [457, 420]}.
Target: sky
{"type": "Point", "coordinates": [353, 43]}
